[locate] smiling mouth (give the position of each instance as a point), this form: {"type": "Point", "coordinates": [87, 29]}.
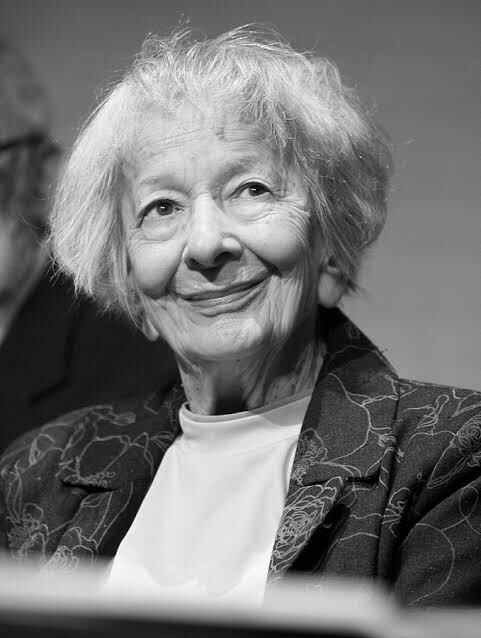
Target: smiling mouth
{"type": "Point", "coordinates": [224, 299]}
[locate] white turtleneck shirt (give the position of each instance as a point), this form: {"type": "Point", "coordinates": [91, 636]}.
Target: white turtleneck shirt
{"type": "Point", "coordinates": [207, 525]}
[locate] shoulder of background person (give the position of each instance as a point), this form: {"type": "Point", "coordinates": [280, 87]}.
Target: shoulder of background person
{"type": "Point", "coordinates": [112, 357]}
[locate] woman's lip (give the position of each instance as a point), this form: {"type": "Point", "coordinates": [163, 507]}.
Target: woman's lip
{"type": "Point", "coordinates": [225, 300]}
{"type": "Point", "coordinates": [220, 293]}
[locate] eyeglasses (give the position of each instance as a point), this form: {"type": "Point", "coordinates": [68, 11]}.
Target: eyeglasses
{"type": "Point", "coordinates": [34, 140]}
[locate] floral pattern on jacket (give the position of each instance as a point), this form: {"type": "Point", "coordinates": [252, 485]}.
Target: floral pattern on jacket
{"type": "Point", "coordinates": [385, 484]}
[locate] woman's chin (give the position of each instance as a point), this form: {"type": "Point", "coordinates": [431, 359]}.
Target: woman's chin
{"type": "Point", "coordinates": [223, 340]}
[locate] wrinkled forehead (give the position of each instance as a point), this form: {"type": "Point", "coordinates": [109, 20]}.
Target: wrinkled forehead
{"type": "Point", "coordinates": [159, 132]}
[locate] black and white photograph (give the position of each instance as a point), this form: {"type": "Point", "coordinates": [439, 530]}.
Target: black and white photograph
{"type": "Point", "coordinates": [240, 312]}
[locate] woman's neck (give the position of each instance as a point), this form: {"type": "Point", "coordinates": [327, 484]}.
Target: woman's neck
{"type": "Point", "coordinates": [269, 375]}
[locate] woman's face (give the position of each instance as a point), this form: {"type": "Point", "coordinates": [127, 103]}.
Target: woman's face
{"type": "Point", "coordinates": [222, 244]}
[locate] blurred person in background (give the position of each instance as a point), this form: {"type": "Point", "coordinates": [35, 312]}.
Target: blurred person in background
{"type": "Point", "coordinates": [223, 196]}
{"type": "Point", "coordinates": [57, 353]}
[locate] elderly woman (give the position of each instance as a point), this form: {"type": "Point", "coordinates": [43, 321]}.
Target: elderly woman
{"type": "Point", "coordinates": [222, 196]}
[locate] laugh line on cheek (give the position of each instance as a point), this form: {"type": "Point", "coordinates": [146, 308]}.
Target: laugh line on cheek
{"type": "Point", "coordinates": [154, 265]}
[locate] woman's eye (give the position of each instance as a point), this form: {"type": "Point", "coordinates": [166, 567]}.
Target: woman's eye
{"type": "Point", "coordinates": [162, 208]}
{"type": "Point", "coordinates": [253, 189]}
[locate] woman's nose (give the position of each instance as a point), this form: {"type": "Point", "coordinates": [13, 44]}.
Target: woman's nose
{"type": "Point", "coordinates": [209, 242]}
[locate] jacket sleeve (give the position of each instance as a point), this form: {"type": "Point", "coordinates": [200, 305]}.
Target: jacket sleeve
{"type": "Point", "coordinates": [11, 462]}
{"type": "Point", "coordinates": [440, 556]}
{"type": "Point", "coordinates": [28, 483]}
{"type": "Point", "coordinates": [3, 530]}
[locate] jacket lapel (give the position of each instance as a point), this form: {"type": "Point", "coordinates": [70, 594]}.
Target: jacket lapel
{"type": "Point", "coordinates": [344, 434]}
{"type": "Point", "coordinates": [111, 459]}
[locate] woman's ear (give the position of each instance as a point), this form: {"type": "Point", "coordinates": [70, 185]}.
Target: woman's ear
{"type": "Point", "coordinates": [331, 285]}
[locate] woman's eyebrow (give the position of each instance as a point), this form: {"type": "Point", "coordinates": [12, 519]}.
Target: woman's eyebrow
{"type": "Point", "coordinates": [172, 180]}
{"type": "Point", "coordinates": [165, 180]}
{"type": "Point", "coordinates": [243, 165]}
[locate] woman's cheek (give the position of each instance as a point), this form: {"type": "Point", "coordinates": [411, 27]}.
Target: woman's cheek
{"type": "Point", "coordinates": [154, 264]}
{"type": "Point", "coordinates": [283, 240]}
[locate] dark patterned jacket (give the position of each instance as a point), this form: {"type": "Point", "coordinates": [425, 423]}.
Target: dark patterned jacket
{"type": "Point", "coordinates": [386, 481]}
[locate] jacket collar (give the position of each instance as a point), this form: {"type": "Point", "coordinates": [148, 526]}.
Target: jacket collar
{"type": "Point", "coordinates": [112, 445]}
{"type": "Point", "coordinates": [345, 432]}
{"type": "Point", "coordinates": [349, 419]}
{"type": "Point", "coordinates": [346, 427]}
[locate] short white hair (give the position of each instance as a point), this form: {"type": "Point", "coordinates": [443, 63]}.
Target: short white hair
{"type": "Point", "coordinates": [296, 99]}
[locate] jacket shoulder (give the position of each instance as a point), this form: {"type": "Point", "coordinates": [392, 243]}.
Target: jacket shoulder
{"type": "Point", "coordinates": [437, 434]}
{"type": "Point", "coordinates": [51, 438]}
{"type": "Point", "coordinates": [430, 408]}
{"type": "Point", "coordinates": [47, 473]}
{"type": "Point", "coordinates": [91, 435]}
{"type": "Point", "coordinates": [29, 484]}
{"type": "Point", "coordinates": [45, 446]}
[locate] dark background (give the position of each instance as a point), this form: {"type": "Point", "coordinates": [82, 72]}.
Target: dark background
{"type": "Point", "coordinates": [417, 61]}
